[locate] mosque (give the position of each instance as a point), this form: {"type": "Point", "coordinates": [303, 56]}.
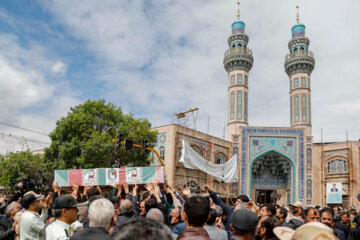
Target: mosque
{"type": "Point", "coordinates": [275, 164]}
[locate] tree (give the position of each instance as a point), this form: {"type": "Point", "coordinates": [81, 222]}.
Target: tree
{"type": "Point", "coordinates": [24, 165]}
{"type": "Point", "coordinates": [84, 138]}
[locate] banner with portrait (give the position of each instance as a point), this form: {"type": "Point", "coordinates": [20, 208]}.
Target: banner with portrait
{"type": "Point", "coordinates": [334, 192]}
{"type": "Point", "coordinates": [108, 176]}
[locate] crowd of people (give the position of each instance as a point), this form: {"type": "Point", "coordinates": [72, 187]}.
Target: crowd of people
{"type": "Point", "coordinates": [162, 212]}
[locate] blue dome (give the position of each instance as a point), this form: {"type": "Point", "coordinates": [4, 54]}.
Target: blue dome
{"type": "Point", "coordinates": [298, 30]}
{"type": "Point", "coordinates": [238, 26]}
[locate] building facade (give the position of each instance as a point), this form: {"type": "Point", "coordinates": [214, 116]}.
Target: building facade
{"type": "Point", "coordinates": [276, 164]}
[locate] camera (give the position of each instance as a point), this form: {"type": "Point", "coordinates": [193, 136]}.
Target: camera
{"type": "Point", "coordinates": [26, 184]}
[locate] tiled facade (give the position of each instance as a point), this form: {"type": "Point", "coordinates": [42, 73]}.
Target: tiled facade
{"type": "Point", "coordinates": [306, 166]}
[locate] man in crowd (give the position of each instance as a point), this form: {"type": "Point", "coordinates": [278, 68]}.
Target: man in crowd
{"type": "Point", "coordinates": [155, 214]}
{"type": "Point", "coordinates": [345, 219]}
{"type": "Point", "coordinates": [312, 215]}
{"type": "Point", "coordinates": [327, 218]}
{"type": "Point", "coordinates": [65, 212]}
{"type": "Point", "coordinates": [142, 228]}
{"type": "Point", "coordinates": [243, 224]}
{"type": "Point", "coordinates": [126, 212]}
{"type": "Point", "coordinates": [211, 228]}
{"type": "Point", "coordinates": [196, 212]}
{"type": "Point", "coordinates": [267, 226]}
{"type": "Point", "coordinates": [267, 210]}
{"type": "Point", "coordinates": [7, 224]}
{"type": "Point", "coordinates": [241, 202]}
{"type": "Point", "coordinates": [101, 218]}
{"type": "Point", "coordinates": [296, 220]}
{"type": "Point", "coordinates": [281, 214]}
{"type": "Point", "coordinates": [175, 215]}
{"type": "Point", "coordinates": [31, 224]}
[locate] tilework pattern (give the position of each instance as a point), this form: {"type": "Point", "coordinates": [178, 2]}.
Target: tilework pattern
{"type": "Point", "coordinates": [275, 133]}
{"type": "Point", "coordinates": [291, 110]}
{"type": "Point", "coordinates": [260, 144]}
{"type": "Point", "coordinates": [308, 157]}
{"type": "Point", "coordinates": [239, 105]}
{"type": "Point", "coordinates": [232, 105]}
{"type": "Point", "coordinates": [304, 107]}
{"type": "Point", "coordinates": [245, 106]}
{"type": "Point", "coordinates": [296, 108]}
{"type": "Point", "coordinates": [161, 140]}
{"type": "Point", "coordinates": [308, 187]}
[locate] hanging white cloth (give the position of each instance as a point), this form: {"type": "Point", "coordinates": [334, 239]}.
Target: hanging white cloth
{"type": "Point", "coordinates": [227, 172]}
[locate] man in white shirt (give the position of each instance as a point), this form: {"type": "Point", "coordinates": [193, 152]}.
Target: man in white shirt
{"type": "Point", "coordinates": [31, 224]}
{"type": "Point", "coordinates": [65, 211]}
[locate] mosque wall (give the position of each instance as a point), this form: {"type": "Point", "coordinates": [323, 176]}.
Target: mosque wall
{"type": "Point", "coordinates": [337, 162]}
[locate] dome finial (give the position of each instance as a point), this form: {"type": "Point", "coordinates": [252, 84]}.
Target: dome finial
{"type": "Point", "coordinates": [297, 14]}
{"type": "Point", "coordinates": [238, 11]}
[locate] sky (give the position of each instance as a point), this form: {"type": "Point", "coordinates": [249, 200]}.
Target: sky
{"type": "Point", "coordinates": [157, 58]}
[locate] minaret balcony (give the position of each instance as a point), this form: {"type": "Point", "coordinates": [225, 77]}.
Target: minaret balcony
{"type": "Point", "coordinates": [238, 58]}
{"type": "Point", "coordinates": [299, 61]}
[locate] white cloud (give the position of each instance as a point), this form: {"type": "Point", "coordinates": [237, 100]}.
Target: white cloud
{"type": "Point", "coordinates": [158, 58]}
{"type": "Point", "coordinates": [59, 68]}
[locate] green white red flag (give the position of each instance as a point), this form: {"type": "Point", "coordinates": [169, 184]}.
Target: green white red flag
{"type": "Point", "coordinates": [108, 176]}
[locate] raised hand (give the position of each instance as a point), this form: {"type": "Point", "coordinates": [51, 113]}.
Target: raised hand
{"type": "Point", "coordinates": [135, 188]}
{"type": "Point", "coordinates": [45, 202]}
{"type": "Point", "coordinates": [75, 187]}
{"type": "Point", "coordinates": [98, 188]}
{"type": "Point", "coordinates": [207, 188]}
{"type": "Point", "coordinates": [157, 190]}
{"type": "Point", "coordinates": [49, 198]}
{"type": "Point", "coordinates": [126, 187]}
{"type": "Point", "coordinates": [155, 182]}
{"type": "Point", "coordinates": [149, 187]}
{"type": "Point", "coordinates": [186, 192]}
{"type": "Point", "coordinates": [55, 187]}
{"type": "Point", "coordinates": [86, 189]}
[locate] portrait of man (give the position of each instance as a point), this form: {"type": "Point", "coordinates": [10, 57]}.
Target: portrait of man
{"type": "Point", "coordinates": [90, 178]}
{"type": "Point", "coordinates": [334, 188]}
{"type": "Point", "coordinates": [133, 175]}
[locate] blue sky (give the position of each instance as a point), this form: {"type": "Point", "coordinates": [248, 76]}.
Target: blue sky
{"type": "Point", "coordinates": [155, 58]}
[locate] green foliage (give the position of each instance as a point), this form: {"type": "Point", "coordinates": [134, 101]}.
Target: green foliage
{"type": "Point", "coordinates": [24, 165]}
{"type": "Point", "coordinates": [84, 138]}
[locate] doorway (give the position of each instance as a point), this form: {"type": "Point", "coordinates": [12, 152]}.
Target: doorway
{"type": "Point", "coordinates": [264, 196]}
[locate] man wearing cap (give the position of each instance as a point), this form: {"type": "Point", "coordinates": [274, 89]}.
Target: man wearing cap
{"type": "Point", "coordinates": [243, 223]}
{"type": "Point", "coordinates": [31, 224]}
{"type": "Point", "coordinates": [240, 203]}
{"type": "Point", "coordinates": [356, 215]}
{"type": "Point", "coordinates": [65, 211]}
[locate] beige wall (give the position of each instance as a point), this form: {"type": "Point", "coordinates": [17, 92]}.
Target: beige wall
{"type": "Point", "coordinates": [322, 154]}
{"type": "Point", "coordinates": [176, 174]}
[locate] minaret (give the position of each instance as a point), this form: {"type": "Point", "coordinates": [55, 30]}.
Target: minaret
{"type": "Point", "coordinates": [238, 62]}
{"type": "Point", "coordinates": [299, 64]}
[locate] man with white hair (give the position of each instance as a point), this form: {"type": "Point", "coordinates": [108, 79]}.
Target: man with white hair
{"type": "Point", "coordinates": [155, 214]}
{"type": "Point", "coordinates": [127, 212]}
{"type": "Point", "coordinates": [101, 220]}
{"type": "Point", "coordinates": [7, 224]}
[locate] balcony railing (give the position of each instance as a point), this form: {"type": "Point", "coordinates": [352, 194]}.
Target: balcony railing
{"type": "Point", "coordinates": [299, 54]}
{"type": "Point", "coordinates": [236, 50]}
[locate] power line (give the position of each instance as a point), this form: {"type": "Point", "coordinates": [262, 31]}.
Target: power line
{"type": "Point", "coordinates": [21, 138]}
{"type": "Point", "coordinates": [25, 129]}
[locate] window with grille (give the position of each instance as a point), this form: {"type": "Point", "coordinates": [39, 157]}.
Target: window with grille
{"type": "Point", "coordinates": [337, 166]}
{"type": "Point", "coordinates": [162, 153]}
{"type": "Point", "coordinates": [220, 158]}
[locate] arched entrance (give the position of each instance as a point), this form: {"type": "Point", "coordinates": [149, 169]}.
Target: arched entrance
{"type": "Point", "coordinates": [272, 178]}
